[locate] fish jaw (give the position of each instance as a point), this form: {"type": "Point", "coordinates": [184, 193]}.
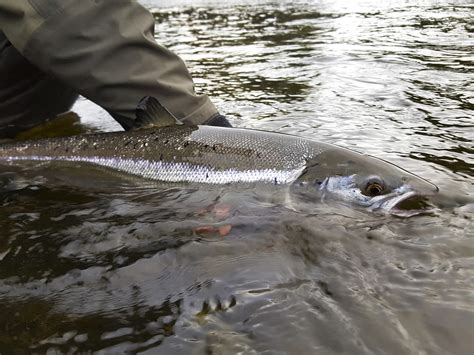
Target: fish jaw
{"type": "Point", "coordinates": [390, 203]}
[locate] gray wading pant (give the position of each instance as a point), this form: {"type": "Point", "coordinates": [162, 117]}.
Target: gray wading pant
{"type": "Point", "coordinates": [52, 50]}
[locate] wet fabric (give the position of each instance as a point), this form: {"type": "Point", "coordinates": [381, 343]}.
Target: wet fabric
{"type": "Point", "coordinates": [104, 50]}
{"type": "Point", "coordinates": [27, 95]}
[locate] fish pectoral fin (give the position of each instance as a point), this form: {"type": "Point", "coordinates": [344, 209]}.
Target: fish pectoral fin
{"type": "Point", "coordinates": [151, 113]}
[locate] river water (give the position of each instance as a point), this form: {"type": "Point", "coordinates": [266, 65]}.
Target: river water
{"type": "Point", "coordinates": [86, 266]}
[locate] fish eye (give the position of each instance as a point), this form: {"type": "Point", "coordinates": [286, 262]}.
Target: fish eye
{"type": "Point", "coordinates": [373, 187]}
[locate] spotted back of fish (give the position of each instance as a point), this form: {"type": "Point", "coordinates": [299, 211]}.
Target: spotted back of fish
{"type": "Point", "coordinates": [198, 154]}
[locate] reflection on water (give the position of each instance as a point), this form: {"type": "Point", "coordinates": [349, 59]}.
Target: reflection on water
{"type": "Point", "coordinates": [86, 265]}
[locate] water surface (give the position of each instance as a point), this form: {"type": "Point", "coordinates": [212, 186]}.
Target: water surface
{"type": "Point", "coordinates": [89, 265]}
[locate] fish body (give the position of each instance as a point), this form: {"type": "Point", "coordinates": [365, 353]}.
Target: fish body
{"type": "Point", "coordinates": [213, 155]}
{"type": "Point", "coordinates": [199, 154]}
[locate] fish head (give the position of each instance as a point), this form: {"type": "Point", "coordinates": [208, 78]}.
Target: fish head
{"type": "Point", "coordinates": [367, 181]}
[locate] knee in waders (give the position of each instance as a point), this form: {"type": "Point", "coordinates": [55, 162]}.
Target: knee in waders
{"type": "Point", "coordinates": [28, 96]}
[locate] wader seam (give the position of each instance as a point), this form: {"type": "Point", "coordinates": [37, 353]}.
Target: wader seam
{"type": "Point", "coordinates": [45, 8]}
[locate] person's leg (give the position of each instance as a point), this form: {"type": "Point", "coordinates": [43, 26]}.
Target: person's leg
{"type": "Point", "coordinates": [106, 51]}
{"type": "Point", "coordinates": [27, 95]}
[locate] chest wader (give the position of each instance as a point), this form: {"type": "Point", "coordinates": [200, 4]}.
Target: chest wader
{"type": "Point", "coordinates": [105, 50]}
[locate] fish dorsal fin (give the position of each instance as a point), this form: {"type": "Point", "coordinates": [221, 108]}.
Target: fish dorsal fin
{"type": "Point", "coordinates": [150, 113]}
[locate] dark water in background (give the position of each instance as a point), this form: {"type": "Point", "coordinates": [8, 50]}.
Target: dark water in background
{"type": "Point", "coordinates": [88, 268]}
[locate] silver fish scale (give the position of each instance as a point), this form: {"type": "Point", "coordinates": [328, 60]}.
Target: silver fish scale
{"type": "Point", "coordinates": [246, 148]}
{"type": "Point", "coordinates": [180, 154]}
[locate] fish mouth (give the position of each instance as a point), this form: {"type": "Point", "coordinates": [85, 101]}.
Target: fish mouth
{"type": "Point", "coordinates": [405, 204]}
